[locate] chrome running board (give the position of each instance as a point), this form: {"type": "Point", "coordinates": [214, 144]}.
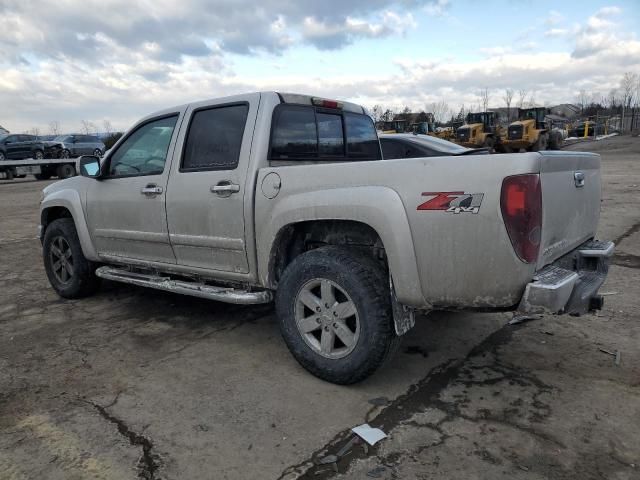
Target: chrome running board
{"type": "Point", "coordinates": [195, 289]}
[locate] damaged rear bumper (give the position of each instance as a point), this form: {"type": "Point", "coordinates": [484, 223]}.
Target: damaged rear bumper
{"type": "Point", "coordinates": [571, 283]}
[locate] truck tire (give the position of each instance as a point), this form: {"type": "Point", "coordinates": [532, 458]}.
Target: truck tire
{"type": "Point", "coordinates": [66, 170]}
{"type": "Point", "coordinates": [70, 274]}
{"type": "Point", "coordinates": [8, 174]}
{"type": "Point", "coordinates": [349, 332]}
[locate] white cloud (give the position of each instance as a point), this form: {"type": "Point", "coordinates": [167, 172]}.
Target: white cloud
{"type": "Point", "coordinates": [437, 8]}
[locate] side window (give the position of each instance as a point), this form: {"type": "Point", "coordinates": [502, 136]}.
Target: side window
{"type": "Point", "coordinates": [144, 152]}
{"type": "Point", "coordinates": [294, 133]}
{"type": "Point", "coordinates": [92, 139]}
{"type": "Point", "coordinates": [330, 136]}
{"type": "Point", "coordinates": [214, 138]}
{"type": "Point", "coordinates": [362, 140]}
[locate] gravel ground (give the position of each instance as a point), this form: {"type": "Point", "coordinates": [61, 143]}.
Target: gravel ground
{"type": "Point", "coordinates": [133, 383]}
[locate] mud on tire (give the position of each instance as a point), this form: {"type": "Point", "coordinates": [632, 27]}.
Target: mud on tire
{"type": "Point", "coordinates": [70, 274]}
{"type": "Point", "coordinates": [354, 277]}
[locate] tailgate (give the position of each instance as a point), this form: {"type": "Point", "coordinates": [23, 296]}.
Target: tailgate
{"type": "Point", "coordinates": [571, 201]}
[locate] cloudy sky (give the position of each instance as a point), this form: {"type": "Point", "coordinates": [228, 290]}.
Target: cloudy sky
{"type": "Point", "coordinates": [117, 60]}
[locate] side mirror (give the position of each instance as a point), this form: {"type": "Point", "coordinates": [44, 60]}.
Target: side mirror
{"type": "Point", "coordinates": [90, 166]}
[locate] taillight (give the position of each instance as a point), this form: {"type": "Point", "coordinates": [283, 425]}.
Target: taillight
{"type": "Point", "coordinates": [521, 205]}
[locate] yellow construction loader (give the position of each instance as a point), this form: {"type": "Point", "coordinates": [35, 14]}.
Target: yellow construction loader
{"type": "Point", "coordinates": [532, 132]}
{"type": "Point", "coordinates": [479, 131]}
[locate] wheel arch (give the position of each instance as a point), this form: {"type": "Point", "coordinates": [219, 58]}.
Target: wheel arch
{"type": "Point", "coordinates": [369, 216]}
{"type": "Point", "coordinates": [67, 204]}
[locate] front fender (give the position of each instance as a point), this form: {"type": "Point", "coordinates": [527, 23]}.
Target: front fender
{"type": "Point", "coordinates": [70, 199]}
{"type": "Point", "coordinates": [378, 207]}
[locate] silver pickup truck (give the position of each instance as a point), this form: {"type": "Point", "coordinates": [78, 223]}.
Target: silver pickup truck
{"type": "Point", "coordinates": [270, 195]}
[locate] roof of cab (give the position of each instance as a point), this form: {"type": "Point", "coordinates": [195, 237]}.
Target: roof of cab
{"type": "Point", "coordinates": [296, 98]}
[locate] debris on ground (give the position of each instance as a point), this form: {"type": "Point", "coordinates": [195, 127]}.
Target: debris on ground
{"type": "Point", "coordinates": [379, 401]}
{"type": "Point", "coordinates": [371, 435]}
{"type": "Point", "coordinates": [615, 354]}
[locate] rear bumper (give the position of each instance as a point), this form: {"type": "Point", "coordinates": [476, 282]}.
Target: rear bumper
{"type": "Point", "coordinates": [571, 283]}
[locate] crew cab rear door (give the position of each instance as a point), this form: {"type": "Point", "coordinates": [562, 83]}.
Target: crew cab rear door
{"type": "Point", "coordinates": [207, 188]}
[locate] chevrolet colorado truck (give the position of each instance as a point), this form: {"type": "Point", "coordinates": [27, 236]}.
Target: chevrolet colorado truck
{"type": "Point", "coordinates": [265, 196]}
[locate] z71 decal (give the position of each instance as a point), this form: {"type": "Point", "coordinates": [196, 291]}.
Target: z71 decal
{"type": "Point", "coordinates": [452, 202]}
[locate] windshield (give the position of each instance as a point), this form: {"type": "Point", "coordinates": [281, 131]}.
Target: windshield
{"type": "Point", "coordinates": [439, 144]}
{"type": "Point", "coordinates": [61, 138]}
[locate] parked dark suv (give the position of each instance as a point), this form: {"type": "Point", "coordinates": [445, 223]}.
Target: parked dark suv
{"type": "Point", "coordinates": [18, 147]}
{"type": "Point", "coordinates": [77, 145]}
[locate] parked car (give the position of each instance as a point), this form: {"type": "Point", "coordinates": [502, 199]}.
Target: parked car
{"type": "Point", "coordinates": [408, 145]}
{"type": "Point", "coordinates": [246, 198]}
{"type": "Point", "coordinates": [77, 145]}
{"type": "Point", "coordinates": [21, 146]}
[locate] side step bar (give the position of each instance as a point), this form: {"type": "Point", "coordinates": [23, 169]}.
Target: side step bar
{"type": "Point", "coordinates": [221, 294]}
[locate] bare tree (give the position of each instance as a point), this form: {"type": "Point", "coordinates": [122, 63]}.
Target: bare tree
{"type": "Point", "coordinates": [388, 115]}
{"type": "Point", "coordinates": [376, 113]}
{"type": "Point", "coordinates": [582, 99]}
{"type": "Point", "coordinates": [532, 99]}
{"type": "Point", "coordinates": [522, 95]}
{"type": "Point", "coordinates": [440, 110]}
{"type": "Point", "coordinates": [627, 86]}
{"type": "Point", "coordinates": [108, 129]}
{"type": "Point", "coordinates": [406, 109]}
{"type": "Point", "coordinates": [508, 96]}
{"type": "Point", "coordinates": [484, 98]}
{"type": "Point", "coordinates": [34, 131]}
{"type": "Point", "coordinates": [612, 99]}
{"type": "Point", "coordinates": [54, 127]}
{"type": "Point", "coordinates": [87, 127]}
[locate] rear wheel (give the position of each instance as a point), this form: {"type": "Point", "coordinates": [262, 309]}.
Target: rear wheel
{"type": "Point", "coordinates": [70, 274]}
{"type": "Point", "coordinates": [2, 157]}
{"type": "Point", "coordinates": [334, 309]}
{"type": "Point", "coordinates": [66, 171]}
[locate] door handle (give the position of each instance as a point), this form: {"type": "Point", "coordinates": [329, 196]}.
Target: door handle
{"type": "Point", "coordinates": [225, 187]}
{"type": "Point", "coordinates": [151, 189]}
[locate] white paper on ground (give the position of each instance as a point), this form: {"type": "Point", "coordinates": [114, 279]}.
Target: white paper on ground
{"type": "Point", "coordinates": [369, 434]}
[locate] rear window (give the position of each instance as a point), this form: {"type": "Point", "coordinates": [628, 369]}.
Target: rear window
{"type": "Point", "coordinates": [307, 133]}
{"type": "Point", "coordinates": [214, 138]}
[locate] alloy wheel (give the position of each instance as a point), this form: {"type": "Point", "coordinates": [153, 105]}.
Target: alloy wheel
{"type": "Point", "coordinates": [327, 318]}
{"type": "Point", "coordinates": [61, 259]}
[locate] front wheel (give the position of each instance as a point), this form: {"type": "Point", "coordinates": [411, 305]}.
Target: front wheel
{"type": "Point", "coordinates": [65, 154]}
{"type": "Point", "coordinates": [70, 274]}
{"type": "Point", "coordinates": [334, 310]}
{"type": "Point", "coordinates": [38, 155]}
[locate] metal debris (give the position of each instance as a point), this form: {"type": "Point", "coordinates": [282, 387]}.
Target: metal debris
{"type": "Point", "coordinates": [615, 354]}
{"type": "Point", "coordinates": [371, 435]}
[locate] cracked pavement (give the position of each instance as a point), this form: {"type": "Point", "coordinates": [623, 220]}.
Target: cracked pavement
{"type": "Point", "coordinates": [134, 383]}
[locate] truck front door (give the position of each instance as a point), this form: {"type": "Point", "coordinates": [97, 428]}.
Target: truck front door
{"type": "Point", "coordinates": [126, 208]}
{"type": "Point", "coordinates": [206, 197]}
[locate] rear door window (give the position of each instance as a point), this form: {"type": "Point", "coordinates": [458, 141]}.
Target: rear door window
{"type": "Point", "coordinates": [214, 138]}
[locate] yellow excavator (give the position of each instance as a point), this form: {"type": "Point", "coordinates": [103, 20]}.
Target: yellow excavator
{"type": "Point", "coordinates": [532, 132]}
{"type": "Point", "coordinates": [480, 130]}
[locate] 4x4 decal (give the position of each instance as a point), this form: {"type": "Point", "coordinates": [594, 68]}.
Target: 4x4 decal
{"type": "Point", "coordinates": [452, 202]}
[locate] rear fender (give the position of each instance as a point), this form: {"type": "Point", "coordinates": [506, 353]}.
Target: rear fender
{"type": "Point", "coordinates": [379, 207]}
